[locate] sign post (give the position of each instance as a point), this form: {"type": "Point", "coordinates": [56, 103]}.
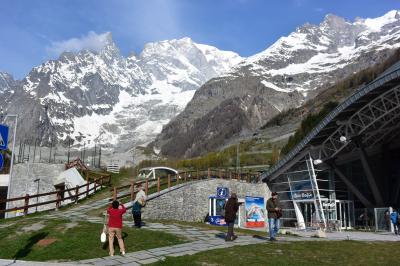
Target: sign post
{"type": "Point", "coordinates": [3, 137]}
{"type": "Point", "coordinates": [12, 159]}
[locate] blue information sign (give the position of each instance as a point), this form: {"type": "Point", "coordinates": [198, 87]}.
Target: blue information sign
{"type": "Point", "coordinates": [1, 161]}
{"type": "Point", "coordinates": [3, 137]}
{"type": "Point", "coordinates": [222, 192]}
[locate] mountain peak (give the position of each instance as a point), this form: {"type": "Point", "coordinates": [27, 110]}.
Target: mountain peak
{"type": "Point", "coordinates": [375, 24]}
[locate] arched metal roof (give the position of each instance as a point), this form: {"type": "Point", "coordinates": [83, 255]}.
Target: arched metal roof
{"type": "Point", "coordinates": [330, 124]}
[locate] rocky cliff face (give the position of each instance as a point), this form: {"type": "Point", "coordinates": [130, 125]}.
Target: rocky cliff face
{"type": "Point", "coordinates": [104, 97]}
{"type": "Point", "coordinates": [285, 75]}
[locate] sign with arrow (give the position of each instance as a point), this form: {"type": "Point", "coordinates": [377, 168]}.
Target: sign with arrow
{"type": "Point", "coordinates": [3, 137]}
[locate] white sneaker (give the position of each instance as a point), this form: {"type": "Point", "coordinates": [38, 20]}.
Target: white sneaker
{"type": "Point", "coordinates": [123, 253]}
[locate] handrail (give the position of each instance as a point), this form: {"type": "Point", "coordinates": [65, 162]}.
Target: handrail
{"type": "Point", "coordinates": [183, 177]}
{"type": "Point", "coordinates": [98, 182]}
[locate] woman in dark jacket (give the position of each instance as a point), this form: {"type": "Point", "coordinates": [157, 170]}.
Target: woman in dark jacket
{"type": "Point", "coordinates": [231, 208]}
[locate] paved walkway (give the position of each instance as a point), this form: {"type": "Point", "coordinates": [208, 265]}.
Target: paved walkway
{"type": "Point", "coordinates": [199, 239]}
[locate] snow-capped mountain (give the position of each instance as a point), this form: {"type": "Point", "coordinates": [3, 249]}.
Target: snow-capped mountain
{"type": "Point", "coordinates": [295, 68]}
{"type": "Point", "coordinates": [102, 96]}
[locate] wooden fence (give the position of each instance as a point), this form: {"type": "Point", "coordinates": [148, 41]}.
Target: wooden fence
{"type": "Point", "coordinates": [98, 182]}
{"type": "Point", "coordinates": [182, 177]}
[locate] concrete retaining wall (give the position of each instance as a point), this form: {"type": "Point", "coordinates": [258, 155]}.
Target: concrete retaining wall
{"type": "Point", "coordinates": [190, 202]}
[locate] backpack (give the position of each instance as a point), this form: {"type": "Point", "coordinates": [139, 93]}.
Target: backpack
{"type": "Point", "coordinates": [136, 208]}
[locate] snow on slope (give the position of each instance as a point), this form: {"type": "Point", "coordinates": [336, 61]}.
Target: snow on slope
{"type": "Point", "coordinates": [318, 49]}
{"type": "Point", "coordinates": [102, 96]}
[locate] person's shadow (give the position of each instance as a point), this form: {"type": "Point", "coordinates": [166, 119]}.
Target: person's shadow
{"type": "Point", "coordinates": [23, 252]}
{"type": "Point", "coordinates": [105, 245]}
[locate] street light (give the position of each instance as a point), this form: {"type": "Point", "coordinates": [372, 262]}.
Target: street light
{"type": "Point", "coordinates": [37, 192]}
{"type": "Point", "coordinates": [343, 139]}
{"type": "Point", "coordinates": [317, 161]}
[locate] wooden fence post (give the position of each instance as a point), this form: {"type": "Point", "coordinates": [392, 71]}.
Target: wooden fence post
{"type": "Point", "coordinates": [169, 181]}
{"type": "Point", "coordinates": [208, 173]}
{"type": "Point", "coordinates": [248, 178]}
{"type": "Point", "coordinates": [185, 177]}
{"type": "Point", "coordinates": [76, 194]}
{"type": "Point", "coordinates": [197, 174]}
{"type": "Point", "coordinates": [58, 202]}
{"type": "Point", "coordinates": [230, 175]}
{"type": "Point", "coordinates": [115, 193]}
{"type": "Point", "coordinates": [132, 189]}
{"type": "Point", "coordinates": [147, 187]}
{"type": "Point", "coordinates": [158, 184]}
{"type": "Point", "coordinates": [95, 183]}
{"type": "Point", "coordinates": [26, 204]}
{"type": "Point", "coordinates": [101, 182]}
{"type": "Point", "coordinates": [87, 189]}
{"type": "Point", "coordinates": [177, 179]}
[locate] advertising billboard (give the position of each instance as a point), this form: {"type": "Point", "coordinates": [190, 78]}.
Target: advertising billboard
{"type": "Point", "coordinates": [255, 212]}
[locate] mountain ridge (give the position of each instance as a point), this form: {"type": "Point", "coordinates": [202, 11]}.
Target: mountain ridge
{"type": "Point", "coordinates": [283, 76]}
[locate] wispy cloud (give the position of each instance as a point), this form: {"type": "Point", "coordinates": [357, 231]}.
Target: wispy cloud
{"type": "Point", "coordinates": [91, 41]}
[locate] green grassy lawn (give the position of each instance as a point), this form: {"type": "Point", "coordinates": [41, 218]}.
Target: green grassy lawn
{"type": "Point", "coordinates": [80, 241]}
{"type": "Point", "coordinates": [296, 253]}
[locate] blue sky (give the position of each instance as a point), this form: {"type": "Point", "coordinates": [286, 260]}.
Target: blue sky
{"type": "Point", "coordinates": [32, 32]}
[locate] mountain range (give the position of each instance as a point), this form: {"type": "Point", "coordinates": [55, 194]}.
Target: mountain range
{"type": "Point", "coordinates": [286, 75]}
{"type": "Point", "coordinates": [188, 98]}
{"type": "Point", "coordinates": [104, 97]}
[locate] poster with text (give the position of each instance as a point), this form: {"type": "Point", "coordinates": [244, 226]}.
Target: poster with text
{"type": "Point", "coordinates": [255, 212]}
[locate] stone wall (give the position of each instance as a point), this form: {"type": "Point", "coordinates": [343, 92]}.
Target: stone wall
{"type": "Point", "coordinates": [189, 202]}
{"type": "Point", "coordinates": [22, 183]}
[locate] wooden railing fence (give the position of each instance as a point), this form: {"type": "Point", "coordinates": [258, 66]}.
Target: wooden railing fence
{"type": "Point", "coordinates": [99, 180]}
{"type": "Point", "coordinates": [156, 185]}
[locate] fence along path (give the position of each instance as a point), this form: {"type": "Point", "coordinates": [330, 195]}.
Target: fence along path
{"type": "Point", "coordinates": [98, 181]}
{"type": "Point", "coordinates": [128, 191]}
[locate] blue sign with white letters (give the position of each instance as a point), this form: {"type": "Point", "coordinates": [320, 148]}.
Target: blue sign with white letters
{"type": "Point", "coordinates": [222, 192]}
{"type": "Point", "coordinates": [3, 137]}
{"type": "Point", "coordinates": [1, 161]}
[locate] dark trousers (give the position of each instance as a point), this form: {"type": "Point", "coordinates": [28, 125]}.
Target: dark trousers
{"type": "Point", "coordinates": [137, 218]}
{"type": "Point", "coordinates": [230, 233]}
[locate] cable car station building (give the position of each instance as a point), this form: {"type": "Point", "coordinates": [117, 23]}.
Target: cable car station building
{"type": "Point", "coordinates": [347, 169]}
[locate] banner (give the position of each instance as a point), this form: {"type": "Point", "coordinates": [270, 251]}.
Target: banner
{"type": "Point", "coordinates": [255, 212]}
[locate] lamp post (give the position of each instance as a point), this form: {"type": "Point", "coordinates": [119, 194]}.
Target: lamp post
{"type": "Point", "coordinates": [37, 192]}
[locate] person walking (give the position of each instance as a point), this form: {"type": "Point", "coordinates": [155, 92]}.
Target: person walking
{"type": "Point", "coordinates": [386, 217]}
{"type": "Point", "coordinates": [274, 214]}
{"type": "Point", "coordinates": [138, 204]}
{"type": "Point", "coordinates": [115, 213]}
{"type": "Point", "coordinates": [231, 208]}
{"type": "Point", "coordinates": [394, 216]}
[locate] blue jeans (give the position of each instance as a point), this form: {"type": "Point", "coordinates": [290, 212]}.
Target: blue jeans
{"type": "Point", "coordinates": [274, 225]}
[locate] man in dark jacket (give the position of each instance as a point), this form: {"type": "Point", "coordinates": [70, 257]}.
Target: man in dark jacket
{"type": "Point", "coordinates": [231, 208]}
{"type": "Point", "coordinates": [274, 214]}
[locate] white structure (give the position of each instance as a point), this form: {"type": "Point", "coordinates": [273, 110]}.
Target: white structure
{"type": "Point", "coordinates": [153, 172]}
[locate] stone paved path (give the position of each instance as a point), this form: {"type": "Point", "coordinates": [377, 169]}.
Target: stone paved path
{"type": "Point", "coordinates": [199, 239]}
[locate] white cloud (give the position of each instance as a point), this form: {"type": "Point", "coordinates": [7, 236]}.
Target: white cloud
{"type": "Point", "coordinates": [91, 41]}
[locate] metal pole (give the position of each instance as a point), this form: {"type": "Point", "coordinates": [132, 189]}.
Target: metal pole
{"type": "Point", "coordinates": [69, 147]}
{"type": "Point", "coordinates": [37, 198]}
{"type": "Point", "coordinates": [34, 151]}
{"type": "Point", "coordinates": [51, 147]}
{"type": "Point", "coordinates": [29, 150]}
{"type": "Point", "coordinates": [84, 150]}
{"type": "Point", "coordinates": [99, 155]}
{"type": "Point", "coordinates": [94, 157]}
{"type": "Point", "coordinates": [11, 163]}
